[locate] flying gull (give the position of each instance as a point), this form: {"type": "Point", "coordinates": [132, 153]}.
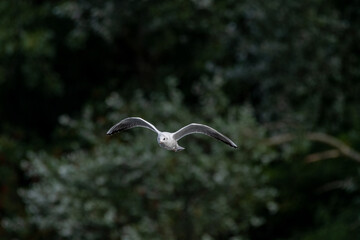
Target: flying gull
{"type": "Point", "coordinates": [169, 140]}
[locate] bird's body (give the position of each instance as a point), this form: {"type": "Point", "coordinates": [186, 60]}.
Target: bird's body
{"type": "Point", "coordinates": [169, 140]}
{"type": "Point", "coordinates": [166, 140]}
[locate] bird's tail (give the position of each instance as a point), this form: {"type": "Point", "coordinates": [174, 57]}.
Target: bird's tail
{"type": "Point", "coordinates": [179, 148]}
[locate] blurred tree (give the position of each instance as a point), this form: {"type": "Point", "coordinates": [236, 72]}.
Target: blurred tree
{"type": "Point", "coordinates": [137, 190]}
{"type": "Point", "coordinates": [294, 63]}
{"type": "Point", "coordinates": [296, 49]}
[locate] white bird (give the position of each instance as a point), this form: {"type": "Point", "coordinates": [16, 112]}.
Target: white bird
{"type": "Point", "coordinates": [169, 140]}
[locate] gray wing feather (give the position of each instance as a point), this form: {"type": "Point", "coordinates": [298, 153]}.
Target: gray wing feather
{"type": "Point", "coordinates": [202, 129]}
{"type": "Point", "coordinates": [131, 122]}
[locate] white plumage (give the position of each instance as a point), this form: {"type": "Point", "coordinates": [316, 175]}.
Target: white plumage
{"type": "Point", "coordinates": [169, 140]}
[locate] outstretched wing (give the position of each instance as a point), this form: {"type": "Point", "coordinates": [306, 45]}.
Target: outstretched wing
{"type": "Point", "coordinates": [203, 129]}
{"type": "Point", "coordinates": [131, 122]}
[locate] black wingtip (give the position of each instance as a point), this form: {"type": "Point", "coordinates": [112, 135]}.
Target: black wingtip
{"type": "Point", "coordinates": [109, 132]}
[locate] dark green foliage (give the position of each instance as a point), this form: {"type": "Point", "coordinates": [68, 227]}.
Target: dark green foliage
{"type": "Point", "coordinates": [127, 185]}
{"type": "Point", "coordinates": [252, 69]}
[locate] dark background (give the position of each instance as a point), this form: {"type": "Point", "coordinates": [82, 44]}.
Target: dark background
{"type": "Point", "coordinates": [280, 78]}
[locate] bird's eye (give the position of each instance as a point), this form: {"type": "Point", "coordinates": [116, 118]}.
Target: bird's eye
{"type": "Point", "coordinates": [163, 139]}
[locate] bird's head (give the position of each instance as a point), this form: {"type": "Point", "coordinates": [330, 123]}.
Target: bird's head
{"type": "Point", "coordinates": [162, 138]}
